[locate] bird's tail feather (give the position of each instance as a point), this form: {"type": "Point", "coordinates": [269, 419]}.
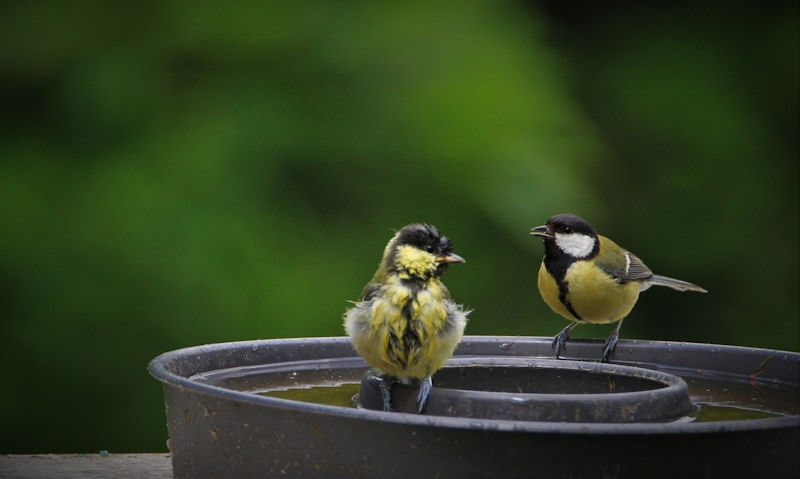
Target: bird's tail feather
{"type": "Point", "coordinates": [673, 283]}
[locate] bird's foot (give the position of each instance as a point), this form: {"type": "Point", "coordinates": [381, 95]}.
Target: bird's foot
{"type": "Point", "coordinates": [611, 342]}
{"type": "Point", "coordinates": [425, 387]}
{"type": "Point", "coordinates": [384, 384]}
{"type": "Point", "coordinates": [610, 346]}
{"type": "Point", "coordinates": [560, 339]}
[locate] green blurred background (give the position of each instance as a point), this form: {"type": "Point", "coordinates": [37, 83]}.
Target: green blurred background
{"type": "Point", "coordinates": [180, 173]}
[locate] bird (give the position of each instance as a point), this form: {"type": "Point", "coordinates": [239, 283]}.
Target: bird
{"type": "Point", "coordinates": [405, 323]}
{"type": "Point", "coordinates": [587, 278]}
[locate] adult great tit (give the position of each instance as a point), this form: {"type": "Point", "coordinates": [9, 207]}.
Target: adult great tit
{"type": "Point", "coordinates": [587, 278]}
{"type": "Point", "coordinates": [405, 324]}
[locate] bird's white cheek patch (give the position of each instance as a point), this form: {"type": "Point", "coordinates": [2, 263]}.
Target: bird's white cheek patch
{"type": "Point", "coordinates": [575, 244]}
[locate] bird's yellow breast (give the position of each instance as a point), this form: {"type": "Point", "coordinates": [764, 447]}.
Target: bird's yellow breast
{"type": "Point", "coordinates": [594, 295]}
{"type": "Point", "coordinates": [404, 331]}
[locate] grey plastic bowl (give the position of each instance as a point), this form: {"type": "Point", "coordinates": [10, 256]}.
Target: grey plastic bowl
{"type": "Point", "coordinates": [221, 432]}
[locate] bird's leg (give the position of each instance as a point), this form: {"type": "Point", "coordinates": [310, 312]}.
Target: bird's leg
{"type": "Point", "coordinates": [424, 391]}
{"type": "Point", "coordinates": [562, 337]}
{"type": "Point", "coordinates": [384, 383]}
{"type": "Point", "coordinates": [611, 342]}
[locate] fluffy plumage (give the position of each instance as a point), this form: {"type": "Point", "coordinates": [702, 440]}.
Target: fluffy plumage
{"type": "Point", "coordinates": [405, 324]}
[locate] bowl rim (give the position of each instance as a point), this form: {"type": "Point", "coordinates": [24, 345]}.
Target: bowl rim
{"type": "Point", "coordinates": [160, 368]}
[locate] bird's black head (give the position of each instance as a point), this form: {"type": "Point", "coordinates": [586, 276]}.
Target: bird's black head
{"type": "Point", "coordinates": [568, 234]}
{"type": "Point", "coordinates": [420, 250]}
{"type": "Point", "coordinates": [424, 237]}
{"type": "Point", "coordinates": [568, 223]}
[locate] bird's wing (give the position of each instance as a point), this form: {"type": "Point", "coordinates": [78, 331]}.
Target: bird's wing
{"type": "Point", "coordinates": [623, 266]}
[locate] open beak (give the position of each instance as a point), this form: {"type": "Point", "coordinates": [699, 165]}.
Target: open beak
{"type": "Point", "coordinates": [450, 258]}
{"type": "Point", "coordinates": [541, 231]}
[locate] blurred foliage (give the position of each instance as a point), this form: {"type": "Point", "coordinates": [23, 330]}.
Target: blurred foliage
{"type": "Point", "coordinates": [188, 172]}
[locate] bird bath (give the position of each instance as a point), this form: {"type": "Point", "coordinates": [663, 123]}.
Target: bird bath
{"type": "Point", "coordinates": [502, 407]}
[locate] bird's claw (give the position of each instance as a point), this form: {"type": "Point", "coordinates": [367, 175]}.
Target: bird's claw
{"type": "Point", "coordinates": [609, 346]}
{"type": "Point", "coordinates": [560, 339]}
{"type": "Point", "coordinates": [384, 384]}
{"type": "Point", "coordinates": [611, 343]}
{"type": "Point", "coordinates": [558, 342]}
{"type": "Point", "coordinates": [425, 387]}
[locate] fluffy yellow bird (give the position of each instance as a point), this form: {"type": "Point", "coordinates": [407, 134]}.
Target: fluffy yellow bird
{"type": "Point", "coordinates": [405, 324]}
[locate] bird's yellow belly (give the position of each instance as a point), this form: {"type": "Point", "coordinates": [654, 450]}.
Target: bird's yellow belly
{"type": "Point", "coordinates": [593, 294]}
{"type": "Point", "coordinates": [411, 345]}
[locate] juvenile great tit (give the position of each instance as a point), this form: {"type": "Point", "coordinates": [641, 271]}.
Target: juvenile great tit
{"type": "Point", "coordinates": [405, 324]}
{"type": "Point", "coordinates": [587, 278]}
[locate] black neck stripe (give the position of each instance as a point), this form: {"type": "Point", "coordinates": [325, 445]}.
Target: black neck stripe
{"type": "Point", "coordinates": [557, 265]}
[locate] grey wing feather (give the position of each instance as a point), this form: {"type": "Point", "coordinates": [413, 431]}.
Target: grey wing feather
{"type": "Point", "coordinates": [626, 267]}
{"type": "Point", "coordinates": [637, 270]}
{"type": "Point", "coordinates": [673, 283]}
{"type": "Point", "coordinates": [634, 269]}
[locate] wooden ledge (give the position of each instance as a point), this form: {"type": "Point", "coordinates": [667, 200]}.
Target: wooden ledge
{"type": "Point", "coordinates": [69, 466]}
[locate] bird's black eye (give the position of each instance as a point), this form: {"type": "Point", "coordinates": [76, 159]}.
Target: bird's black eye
{"type": "Point", "coordinates": [429, 248]}
{"type": "Point", "coordinates": [567, 229]}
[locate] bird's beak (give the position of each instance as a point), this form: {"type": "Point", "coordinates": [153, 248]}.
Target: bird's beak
{"type": "Point", "coordinates": [541, 231]}
{"type": "Point", "coordinates": [450, 258]}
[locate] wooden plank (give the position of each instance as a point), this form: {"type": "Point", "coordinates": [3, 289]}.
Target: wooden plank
{"type": "Point", "coordinates": [92, 466]}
